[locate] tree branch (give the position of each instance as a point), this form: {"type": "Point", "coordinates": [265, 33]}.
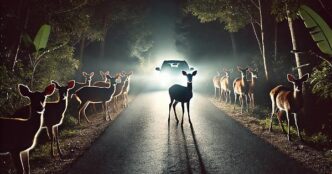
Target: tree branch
{"type": "Point", "coordinates": [72, 9]}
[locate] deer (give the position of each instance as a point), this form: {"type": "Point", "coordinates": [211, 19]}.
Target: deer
{"type": "Point", "coordinates": [126, 89]}
{"type": "Point", "coordinates": [225, 87]}
{"type": "Point", "coordinates": [102, 83]}
{"type": "Point", "coordinates": [54, 114]}
{"type": "Point", "coordinates": [95, 94]}
{"type": "Point", "coordinates": [18, 136]}
{"type": "Point", "coordinates": [252, 85]}
{"type": "Point", "coordinates": [289, 101]}
{"type": "Point", "coordinates": [241, 88]}
{"type": "Point", "coordinates": [216, 83]}
{"type": "Point", "coordinates": [183, 94]}
{"type": "Point", "coordinates": [119, 89]}
{"type": "Point", "coordinates": [87, 82]}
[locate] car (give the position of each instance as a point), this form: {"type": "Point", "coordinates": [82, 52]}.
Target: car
{"type": "Point", "coordinates": [170, 72]}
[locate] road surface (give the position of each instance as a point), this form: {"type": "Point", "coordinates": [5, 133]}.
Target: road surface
{"type": "Point", "coordinates": [141, 140]}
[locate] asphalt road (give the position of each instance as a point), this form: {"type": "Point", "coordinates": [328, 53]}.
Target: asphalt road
{"type": "Point", "coordinates": [141, 140]}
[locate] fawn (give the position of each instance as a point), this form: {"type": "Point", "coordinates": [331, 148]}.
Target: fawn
{"type": "Point", "coordinates": [181, 94]}
{"type": "Point", "coordinates": [54, 114]}
{"type": "Point", "coordinates": [252, 84]}
{"type": "Point", "coordinates": [225, 87]}
{"type": "Point", "coordinates": [216, 83]}
{"type": "Point", "coordinates": [95, 94]}
{"type": "Point", "coordinates": [241, 88]}
{"type": "Point", "coordinates": [290, 101]}
{"type": "Point", "coordinates": [18, 136]}
{"type": "Point", "coordinates": [126, 89]}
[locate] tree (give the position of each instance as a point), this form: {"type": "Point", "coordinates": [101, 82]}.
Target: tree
{"type": "Point", "coordinates": [235, 15]}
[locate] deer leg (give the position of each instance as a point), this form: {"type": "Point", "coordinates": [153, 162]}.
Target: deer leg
{"type": "Point", "coordinates": [57, 141]}
{"type": "Point", "coordinates": [52, 136]}
{"type": "Point", "coordinates": [253, 100]}
{"type": "Point", "coordinates": [80, 107]}
{"type": "Point", "coordinates": [280, 121]}
{"type": "Point", "coordinates": [246, 98]}
{"type": "Point", "coordinates": [235, 96]}
{"type": "Point", "coordinates": [174, 105]}
{"type": "Point", "coordinates": [182, 106]}
{"type": "Point", "coordinates": [215, 92]}
{"type": "Point", "coordinates": [288, 129]}
{"type": "Point", "coordinates": [272, 113]}
{"type": "Point", "coordinates": [83, 109]}
{"type": "Point", "coordinates": [169, 109]}
{"type": "Point", "coordinates": [297, 126]}
{"type": "Point", "coordinates": [241, 102]}
{"type": "Point", "coordinates": [25, 161]}
{"type": "Point", "coordinates": [188, 110]}
{"type": "Point", "coordinates": [17, 162]}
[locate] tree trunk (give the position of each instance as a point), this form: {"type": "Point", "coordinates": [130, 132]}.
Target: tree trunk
{"type": "Point", "coordinates": [275, 41]}
{"type": "Point", "coordinates": [82, 45]}
{"type": "Point", "coordinates": [263, 39]}
{"type": "Point", "coordinates": [292, 33]}
{"type": "Point", "coordinates": [257, 38]}
{"type": "Point", "coordinates": [234, 48]}
{"type": "Point", "coordinates": [102, 44]}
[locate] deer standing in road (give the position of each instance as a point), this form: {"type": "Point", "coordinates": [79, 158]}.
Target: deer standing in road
{"type": "Point", "coordinates": [290, 101]}
{"type": "Point", "coordinates": [225, 87]}
{"type": "Point", "coordinates": [18, 136]}
{"type": "Point", "coordinates": [95, 94]}
{"type": "Point", "coordinates": [126, 89]}
{"type": "Point", "coordinates": [102, 83]}
{"type": "Point", "coordinates": [252, 85]}
{"type": "Point", "coordinates": [181, 94]}
{"type": "Point", "coordinates": [119, 90]}
{"type": "Point", "coordinates": [241, 88]}
{"type": "Point", "coordinates": [216, 83]}
{"type": "Point", "coordinates": [78, 85]}
{"type": "Point", "coordinates": [54, 114]}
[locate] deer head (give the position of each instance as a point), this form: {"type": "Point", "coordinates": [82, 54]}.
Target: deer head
{"type": "Point", "coordinates": [37, 99]}
{"type": "Point", "coordinates": [63, 90]}
{"type": "Point", "coordinates": [189, 76]}
{"type": "Point", "coordinates": [297, 83]}
{"type": "Point", "coordinates": [253, 72]}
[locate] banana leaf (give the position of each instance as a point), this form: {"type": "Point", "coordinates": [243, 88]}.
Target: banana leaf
{"type": "Point", "coordinates": [41, 37]}
{"type": "Point", "coordinates": [319, 30]}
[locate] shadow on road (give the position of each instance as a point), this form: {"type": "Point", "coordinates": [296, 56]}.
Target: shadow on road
{"type": "Point", "coordinates": [190, 168]}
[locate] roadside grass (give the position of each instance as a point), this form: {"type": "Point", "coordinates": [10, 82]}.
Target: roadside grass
{"type": "Point", "coordinates": [262, 116]}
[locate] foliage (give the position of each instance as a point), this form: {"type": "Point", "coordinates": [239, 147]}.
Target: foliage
{"type": "Point", "coordinates": [321, 80]}
{"type": "Point", "coordinates": [279, 9]}
{"type": "Point", "coordinates": [233, 13]}
{"type": "Point", "coordinates": [319, 30]}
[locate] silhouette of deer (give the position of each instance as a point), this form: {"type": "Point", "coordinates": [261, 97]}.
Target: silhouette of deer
{"type": "Point", "coordinates": [241, 88]}
{"type": "Point", "coordinates": [78, 85]}
{"type": "Point", "coordinates": [54, 114]}
{"type": "Point", "coordinates": [95, 94]}
{"type": "Point", "coordinates": [225, 87]}
{"type": "Point", "coordinates": [181, 94]}
{"type": "Point", "coordinates": [126, 89]}
{"type": "Point", "coordinates": [119, 90]}
{"type": "Point", "coordinates": [290, 101]}
{"type": "Point", "coordinates": [252, 85]}
{"type": "Point", "coordinates": [18, 136]}
{"type": "Point", "coordinates": [216, 84]}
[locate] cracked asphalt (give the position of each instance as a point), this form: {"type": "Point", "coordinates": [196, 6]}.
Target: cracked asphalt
{"type": "Point", "coordinates": [141, 140]}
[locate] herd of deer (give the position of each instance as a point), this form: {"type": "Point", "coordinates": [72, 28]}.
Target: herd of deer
{"type": "Point", "coordinates": [283, 99]}
{"type": "Point", "coordinates": [18, 136]}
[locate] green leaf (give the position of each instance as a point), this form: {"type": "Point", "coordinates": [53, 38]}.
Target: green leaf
{"type": "Point", "coordinates": [320, 31]}
{"type": "Point", "coordinates": [41, 37]}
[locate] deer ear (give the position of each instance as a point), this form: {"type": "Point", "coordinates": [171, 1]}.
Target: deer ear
{"type": "Point", "coordinates": [49, 90]}
{"type": "Point", "coordinates": [290, 78]}
{"type": "Point", "coordinates": [71, 84]}
{"type": "Point", "coordinates": [184, 73]}
{"type": "Point", "coordinates": [84, 73]}
{"type": "Point", "coordinates": [92, 73]}
{"type": "Point", "coordinates": [194, 73]}
{"type": "Point", "coordinates": [24, 90]}
{"type": "Point", "coordinates": [56, 84]}
{"type": "Point", "coordinates": [305, 77]}
{"type": "Point", "coordinates": [107, 73]}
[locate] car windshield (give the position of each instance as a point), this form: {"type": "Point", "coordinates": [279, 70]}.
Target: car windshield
{"type": "Point", "coordinates": [174, 66]}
